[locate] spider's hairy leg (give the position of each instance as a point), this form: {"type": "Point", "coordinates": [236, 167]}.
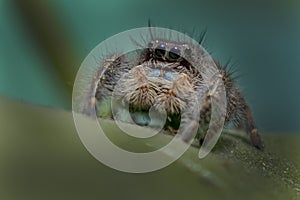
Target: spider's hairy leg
{"type": "Point", "coordinates": [186, 101]}
{"type": "Point", "coordinates": [138, 93]}
{"type": "Point", "coordinates": [104, 80]}
{"type": "Point", "coordinates": [247, 123]}
{"type": "Point", "coordinates": [174, 99]}
{"type": "Point", "coordinates": [239, 111]}
{"type": "Point", "coordinates": [252, 131]}
{"type": "Point", "coordinates": [138, 90]}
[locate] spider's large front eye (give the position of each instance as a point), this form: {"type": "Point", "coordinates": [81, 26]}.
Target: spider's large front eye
{"type": "Point", "coordinates": [160, 51]}
{"type": "Point", "coordinates": [174, 54]}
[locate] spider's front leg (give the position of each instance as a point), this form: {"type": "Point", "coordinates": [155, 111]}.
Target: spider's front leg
{"type": "Point", "coordinates": [136, 94]}
{"type": "Point", "coordinates": [182, 99]}
{"type": "Point", "coordinates": [103, 82]}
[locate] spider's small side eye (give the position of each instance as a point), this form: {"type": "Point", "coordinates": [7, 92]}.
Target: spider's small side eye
{"type": "Point", "coordinates": [160, 51]}
{"type": "Point", "coordinates": [187, 52]}
{"type": "Point", "coordinates": [150, 45]}
{"type": "Point", "coordinates": [174, 54]}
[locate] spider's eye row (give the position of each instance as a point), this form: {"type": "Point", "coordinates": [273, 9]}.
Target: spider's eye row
{"type": "Point", "coordinates": [174, 53]}
{"type": "Point", "coordinates": [160, 51]}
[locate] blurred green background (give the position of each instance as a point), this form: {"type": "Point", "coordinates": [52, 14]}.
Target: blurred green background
{"type": "Point", "coordinates": [43, 43]}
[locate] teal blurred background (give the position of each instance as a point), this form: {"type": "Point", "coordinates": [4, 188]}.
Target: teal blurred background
{"type": "Point", "coordinates": [42, 44]}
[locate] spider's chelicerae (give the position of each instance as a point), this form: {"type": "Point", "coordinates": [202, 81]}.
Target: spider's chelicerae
{"type": "Point", "coordinates": [163, 77]}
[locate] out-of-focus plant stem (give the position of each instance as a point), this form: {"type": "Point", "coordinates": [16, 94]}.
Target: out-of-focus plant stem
{"type": "Point", "coordinates": [52, 36]}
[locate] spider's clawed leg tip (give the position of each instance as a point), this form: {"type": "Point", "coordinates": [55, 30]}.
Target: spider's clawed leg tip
{"type": "Point", "coordinates": [256, 140]}
{"type": "Point", "coordinates": [260, 146]}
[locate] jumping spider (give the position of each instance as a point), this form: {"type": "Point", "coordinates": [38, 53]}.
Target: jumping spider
{"type": "Point", "coordinates": [163, 77]}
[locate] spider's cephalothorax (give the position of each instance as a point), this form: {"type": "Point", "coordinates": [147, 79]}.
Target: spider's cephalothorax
{"type": "Point", "coordinates": [164, 77]}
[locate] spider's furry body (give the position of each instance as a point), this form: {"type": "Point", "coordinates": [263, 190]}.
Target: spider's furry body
{"type": "Point", "coordinates": [164, 77]}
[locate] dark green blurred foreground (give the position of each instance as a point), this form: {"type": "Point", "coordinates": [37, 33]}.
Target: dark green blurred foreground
{"type": "Point", "coordinates": [41, 157]}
